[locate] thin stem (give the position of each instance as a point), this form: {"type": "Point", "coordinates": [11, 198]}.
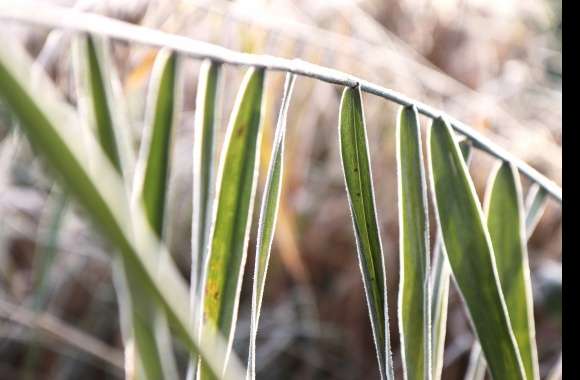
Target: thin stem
{"type": "Point", "coordinates": [60, 17]}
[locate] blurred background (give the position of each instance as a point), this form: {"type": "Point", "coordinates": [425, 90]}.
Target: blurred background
{"type": "Point", "coordinates": [495, 64]}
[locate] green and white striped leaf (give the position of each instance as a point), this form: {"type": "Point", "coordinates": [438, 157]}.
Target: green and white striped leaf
{"type": "Point", "coordinates": [536, 202]}
{"type": "Point", "coordinates": [236, 188]}
{"type": "Point", "coordinates": [203, 166]}
{"type": "Point", "coordinates": [97, 106]}
{"type": "Point", "coordinates": [505, 222]}
{"type": "Point", "coordinates": [203, 178]}
{"type": "Point", "coordinates": [504, 211]}
{"type": "Point", "coordinates": [51, 127]}
{"type": "Point", "coordinates": [470, 253]}
{"type": "Point", "coordinates": [152, 171]}
{"type": "Point", "coordinates": [101, 102]}
{"type": "Point", "coordinates": [440, 291]}
{"type": "Point", "coordinates": [152, 180]}
{"type": "Point", "coordinates": [414, 301]}
{"type": "Point", "coordinates": [359, 187]}
{"type": "Point", "coordinates": [267, 221]}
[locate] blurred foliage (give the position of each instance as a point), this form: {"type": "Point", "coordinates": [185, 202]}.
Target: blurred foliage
{"type": "Point", "coordinates": [494, 64]}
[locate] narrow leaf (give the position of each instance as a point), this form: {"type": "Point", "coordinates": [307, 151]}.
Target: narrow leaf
{"type": "Point", "coordinates": [96, 104]}
{"type": "Point", "coordinates": [267, 221]}
{"type": "Point", "coordinates": [535, 202]}
{"type": "Point", "coordinates": [152, 172]}
{"type": "Point", "coordinates": [51, 127]}
{"type": "Point", "coordinates": [505, 222]}
{"type": "Point", "coordinates": [236, 187]}
{"type": "Point", "coordinates": [470, 253]}
{"type": "Point", "coordinates": [100, 100]}
{"type": "Point", "coordinates": [503, 204]}
{"type": "Point", "coordinates": [440, 291]}
{"type": "Point", "coordinates": [152, 183]}
{"type": "Point", "coordinates": [359, 187]}
{"type": "Point", "coordinates": [203, 168]}
{"type": "Point", "coordinates": [414, 307]}
{"type": "Point", "coordinates": [203, 177]}
{"type": "Point", "coordinates": [97, 95]}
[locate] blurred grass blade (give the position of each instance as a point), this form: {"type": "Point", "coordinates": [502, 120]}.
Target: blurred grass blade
{"type": "Point", "coordinates": [505, 222]}
{"type": "Point", "coordinates": [206, 110]}
{"type": "Point", "coordinates": [236, 188]}
{"type": "Point", "coordinates": [357, 174]}
{"type": "Point", "coordinates": [101, 102]}
{"type": "Point", "coordinates": [51, 127]}
{"type": "Point", "coordinates": [535, 206]}
{"type": "Point", "coordinates": [94, 92]}
{"type": "Point", "coordinates": [267, 221]}
{"type": "Point", "coordinates": [203, 168]}
{"type": "Point", "coordinates": [470, 253]}
{"type": "Point", "coordinates": [97, 106]}
{"type": "Point", "coordinates": [414, 307]}
{"type": "Point", "coordinates": [152, 183]}
{"type": "Point", "coordinates": [440, 291]}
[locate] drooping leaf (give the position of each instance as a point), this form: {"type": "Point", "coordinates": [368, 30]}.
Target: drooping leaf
{"type": "Point", "coordinates": [505, 222]}
{"type": "Point", "coordinates": [203, 167]}
{"type": "Point", "coordinates": [97, 106]}
{"type": "Point", "coordinates": [440, 291]}
{"type": "Point", "coordinates": [100, 100]}
{"type": "Point", "coordinates": [359, 187]}
{"type": "Point", "coordinates": [203, 177]}
{"type": "Point", "coordinates": [470, 253]}
{"type": "Point", "coordinates": [51, 127]}
{"type": "Point", "coordinates": [236, 187]}
{"type": "Point", "coordinates": [152, 172]}
{"type": "Point", "coordinates": [152, 182]}
{"type": "Point", "coordinates": [267, 221]}
{"type": "Point", "coordinates": [536, 202]}
{"type": "Point", "coordinates": [414, 306]}
{"type": "Point", "coordinates": [95, 93]}
{"type": "Point", "coordinates": [504, 211]}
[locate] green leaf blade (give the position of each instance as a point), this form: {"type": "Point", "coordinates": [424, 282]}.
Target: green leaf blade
{"type": "Point", "coordinates": [505, 222]}
{"type": "Point", "coordinates": [101, 102]}
{"type": "Point", "coordinates": [267, 221]}
{"type": "Point", "coordinates": [357, 174]}
{"type": "Point", "coordinates": [95, 90]}
{"type": "Point", "coordinates": [440, 292]}
{"type": "Point", "coordinates": [414, 304]}
{"type": "Point", "coordinates": [203, 172]}
{"type": "Point", "coordinates": [236, 187]}
{"type": "Point", "coordinates": [470, 253]}
{"type": "Point", "coordinates": [206, 109]}
{"type": "Point", "coordinates": [152, 173]}
{"type": "Point", "coordinates": [104, 122]}
{"type": "Point", "coordinates": [51, 127]}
